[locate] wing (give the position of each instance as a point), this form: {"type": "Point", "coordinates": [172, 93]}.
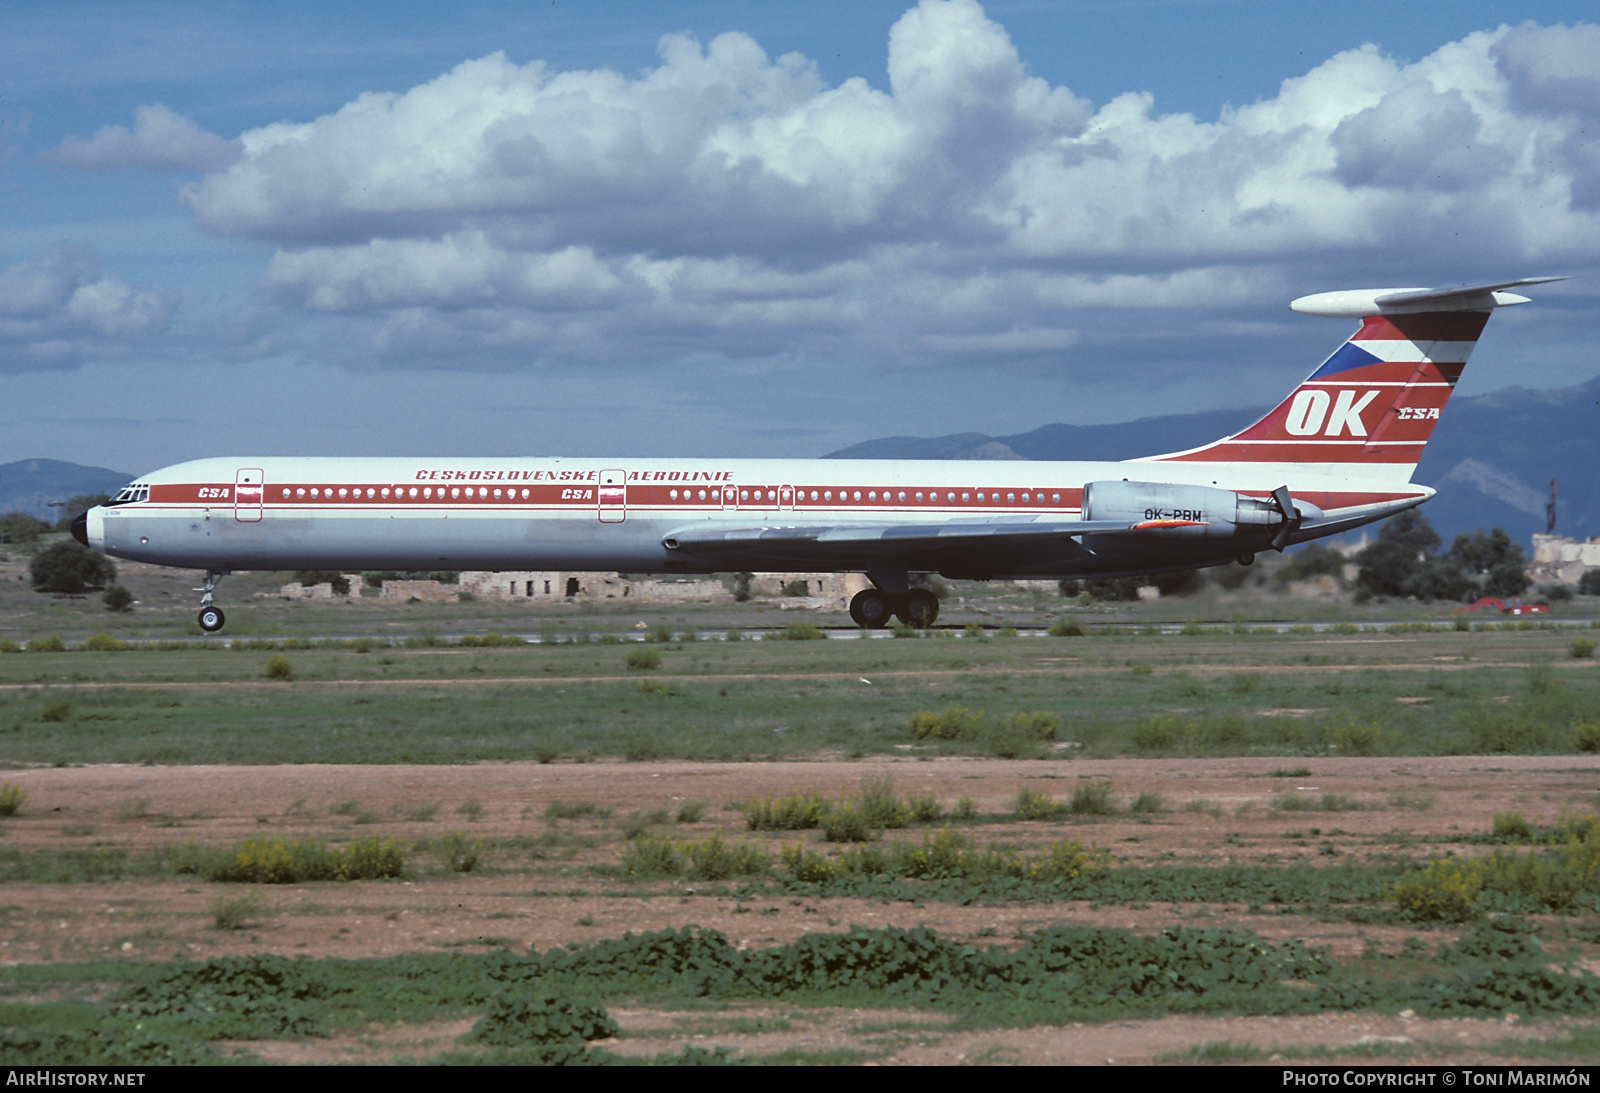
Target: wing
{"type": "Point", "coordinates": [965, 545]}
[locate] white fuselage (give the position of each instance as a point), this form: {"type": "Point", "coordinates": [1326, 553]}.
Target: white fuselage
{"type": "Point", "coordinates": [229, 514]}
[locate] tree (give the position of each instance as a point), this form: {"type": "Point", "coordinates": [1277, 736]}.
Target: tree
{"type": "Point", "coordinates": [1402, 563]}
{"type": "Point", "coordinates": [339, 583]}
{"type": "Point", "coordinates": [71, 568]}
{"type": "Point", "coordinates": [75, 507]}
{"type": "Point", "coordinates": [19, 527]}
{"type": "Point", "coordinates": [1495, 559]}
{"type": "Point", "coordinates": [1313, 560]}
{"type": "Point", "coordinates": [1403, 545]}
{"type": "Point", "coordinates": [1114, 589]}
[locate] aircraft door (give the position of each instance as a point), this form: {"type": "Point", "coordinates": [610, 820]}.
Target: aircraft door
{"type": "Point", "coordinates": [613, 497]}
{"type": "Point", "coordinates": [247, 495]}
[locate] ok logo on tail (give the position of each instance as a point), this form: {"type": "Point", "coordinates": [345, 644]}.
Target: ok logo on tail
{"type": "Point", "coordinates": [1309, 414]}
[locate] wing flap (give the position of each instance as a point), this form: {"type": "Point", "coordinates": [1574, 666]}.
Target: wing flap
{"type": "Point", "coordinates": [864, 540]}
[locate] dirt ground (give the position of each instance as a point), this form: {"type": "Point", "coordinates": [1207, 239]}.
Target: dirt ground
{"type": "Point", "coordinates": [538, 887]}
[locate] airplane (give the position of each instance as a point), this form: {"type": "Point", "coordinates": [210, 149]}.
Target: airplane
{"type": "Point", "coordinates": [1337, 453]}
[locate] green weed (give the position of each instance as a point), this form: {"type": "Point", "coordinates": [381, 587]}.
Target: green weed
{"type": "Point", "coordinates": [12, 798]}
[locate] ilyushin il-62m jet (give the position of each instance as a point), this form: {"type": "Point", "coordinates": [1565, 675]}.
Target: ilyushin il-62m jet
{"type": "Point", "coordinates": [1337, 453]}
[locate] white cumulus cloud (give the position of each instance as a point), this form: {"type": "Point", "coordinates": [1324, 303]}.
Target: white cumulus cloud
{"type": "Point", "coordinates": [727, 205]}
{"type": "Point", "coordinates": [60, 310]}
{"type": "Point", "coordinates": [160, 140]}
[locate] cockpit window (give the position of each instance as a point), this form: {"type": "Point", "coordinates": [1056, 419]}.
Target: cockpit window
{"type": "Point", "coordinates": [130, 495]}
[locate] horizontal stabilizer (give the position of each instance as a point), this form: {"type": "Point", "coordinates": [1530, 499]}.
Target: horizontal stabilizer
{"type": "Point", "coordinates": [1360, 303]}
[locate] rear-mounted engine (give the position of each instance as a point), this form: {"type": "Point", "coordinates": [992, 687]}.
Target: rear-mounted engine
{"type": "Point", "coordinates": [1200, 512]}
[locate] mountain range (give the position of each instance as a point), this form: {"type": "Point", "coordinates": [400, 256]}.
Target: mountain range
{"type": "Point", "coordinates": [32, 485]}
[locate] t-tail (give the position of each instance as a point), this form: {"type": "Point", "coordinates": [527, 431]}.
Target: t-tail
{"type": "Point", "coordinates": [1371, 407]}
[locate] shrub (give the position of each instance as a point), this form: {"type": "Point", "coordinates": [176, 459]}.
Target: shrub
{"type": "Point", "coordinates": [1557, 882]}
{"type": "Point", "coordinates": [651, 856]}
{"type": "Point", "coordinates": [1092, 799]}
{"type": "Point", "coordinates": [118, 599]}
{"type": "Point", "coordinates": [807, 866]}
{"type": "Point", "coordinates": [847, 824]}
{"type": "Point", "coordinates": [282, 861]}
{"type": "Point", "coordinates": [1357, 738]}
{"type": "Point", "coordinates": [457, 854]}
{"type": "Point", "coordinates": [1148, 803]}
{"type": "Point", "coordinates": [1586, 737]}
{"type": "Point", "coordinates": [540, 1016]}
{"type": "Point", "coordinates": [20, 528]}
{"type": "Point", "coordinates": [1033, 804]}
{"type": "Point", "coordinates": [643, 659]}
{"type": "Point", "coordinates": [879, 806]}
{"type": "Point", "coordinates": [236, 912]}
{"type": "Point", "coordinates": [1005, 735]}
{"type": "Point", "coordinates": [713, 859]}
{"type": "Point", "coordinates": [49, 643]}
{"type": "Point", "coordinates": [795, 812]}
{"type": "Point", "coordinates": [57, 711]}
{"type": "Point", "coordinates": [279, 667]}
{"type": "Point", "coordinates": [953, 723]}
{"type": "Point", "coordinates": [1066, 628]}
{"type": "Point", "coordinates": [798, 631]}
{"type": "Point", "coordinates": [70, 568]}
{"type": "Point", "coordinates": [1511, 825]}
{"type": "Point", "coordinates": [1580, 648]}
{"type": "Point", "coordinates": [1446, 890]}
{"type": "Point", "coordinates": [103, 643]}
{"type": "Point", "coordinates": [12, 798]}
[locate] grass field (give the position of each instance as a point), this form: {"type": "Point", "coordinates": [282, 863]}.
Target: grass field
{"type": "Point", "coordinates": [1433, 692]}
{"type": "Point", "coordinates": [1148, 819]}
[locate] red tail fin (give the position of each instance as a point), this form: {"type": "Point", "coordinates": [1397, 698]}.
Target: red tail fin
{"type": "Point", "coordinates": [1374, 403]}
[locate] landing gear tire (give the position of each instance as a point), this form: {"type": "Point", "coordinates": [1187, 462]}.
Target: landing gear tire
{"type": "Point", "coordinates": [918, 608]}
{"type": "Point", "coordinates": [870, 608]}
{"type": "Point", "coordinates": [211, 619]}
{"type": "Point", "coordinates": [1246, 558]}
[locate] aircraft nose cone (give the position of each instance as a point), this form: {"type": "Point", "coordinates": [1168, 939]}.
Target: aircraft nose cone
{"type": "Point", "coordinates": [80, 528]}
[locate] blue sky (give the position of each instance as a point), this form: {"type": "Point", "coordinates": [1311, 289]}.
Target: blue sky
{"type": "Point", "coordinates": [739, 229]}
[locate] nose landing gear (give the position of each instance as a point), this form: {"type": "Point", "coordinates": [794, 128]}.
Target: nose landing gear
{"type": "Point", "coordinates": [211, 617]}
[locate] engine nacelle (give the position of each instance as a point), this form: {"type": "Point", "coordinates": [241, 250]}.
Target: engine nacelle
{"type": "Point", "coordinates": [1197, 512]}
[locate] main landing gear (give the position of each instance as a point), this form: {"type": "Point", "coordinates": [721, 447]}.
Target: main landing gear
{"type": "Point", "coordinates": [873, 608]}
{"type": "Point", "coordinates": [211, 617]}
